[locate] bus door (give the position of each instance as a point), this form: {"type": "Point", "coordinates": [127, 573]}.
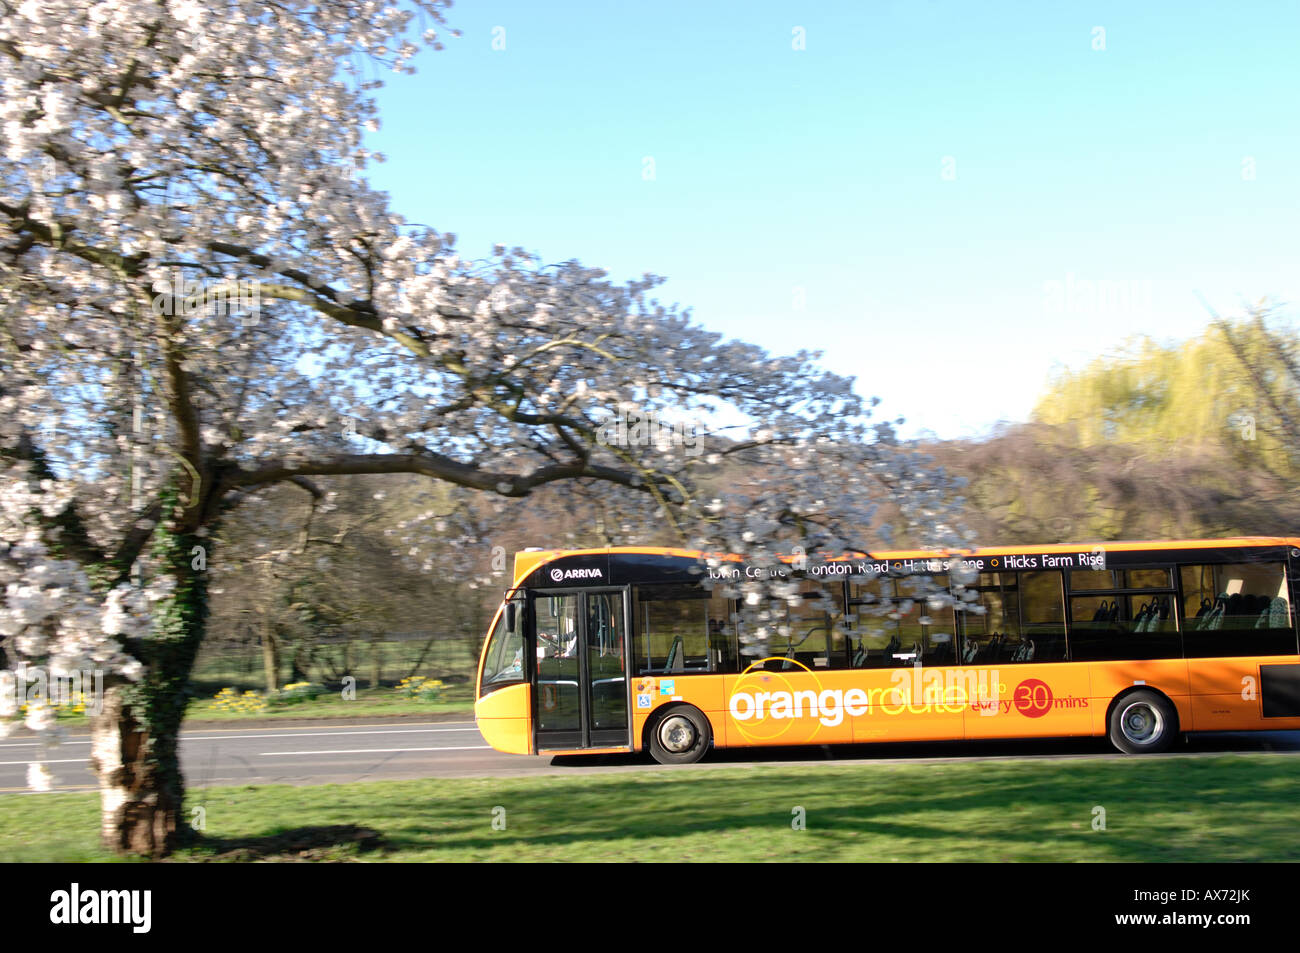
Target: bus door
{"type": "Point", "coordinates": [582, 682]}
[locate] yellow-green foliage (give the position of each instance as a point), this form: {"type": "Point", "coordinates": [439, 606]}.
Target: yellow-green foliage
{"type": "Point", "coordinates": [1194, 439]}
{"type": "Point", "coordinates": [1233, 386]}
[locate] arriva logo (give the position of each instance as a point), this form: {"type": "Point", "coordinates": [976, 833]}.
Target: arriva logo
{"type": "Point", "coordinates": [561, 575]}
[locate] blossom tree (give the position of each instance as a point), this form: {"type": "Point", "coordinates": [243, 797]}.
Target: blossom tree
{"type": "Point", "coordinates": [200, 296]}
{"type": "Point", "coordinates": [52, 614]}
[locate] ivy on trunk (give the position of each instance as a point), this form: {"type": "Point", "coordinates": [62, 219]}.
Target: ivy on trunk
{"type": "Point", "coordinates": [135, 751]}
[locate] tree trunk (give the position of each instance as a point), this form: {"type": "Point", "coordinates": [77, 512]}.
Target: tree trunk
{"type": "Point", "coordinates": [271, 658]}
{"type": "Point", "coordinates": [141, 794]}
{"type": "Point", "coordinates": [475, 626]}
{"type": "Point", "coordinates": [376, 662]}
{"type": "Point", "coordinates": [134, 736]}
{"type": "Point", "coordinates": [423, 654]}
{"type": "Point", "coordinates": [297, 663]}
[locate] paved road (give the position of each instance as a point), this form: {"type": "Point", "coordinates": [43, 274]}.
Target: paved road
{"type": "Point", "coordinates": [314, 753]}
{"type": "Point", "coordinates": [356, 751]}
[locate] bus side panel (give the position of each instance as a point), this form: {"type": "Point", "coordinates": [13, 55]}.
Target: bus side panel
{"type": "Point", "coordinates": [1228, 694]}
{"type": "Point", "coordinates": [781, 707]}
{"type": "Point", "coordinates": [652, 692]}
{"type": "Point", "coordinates": [504, 718]}
{"type": "Point", "coordinates": [1164, 675]}
{"type": "Point", "coordinates": [815, 723]}
{"type": "Point", "coordinates": [1043, 700]}
{"type": "Point", "coordinates": [906, 704]}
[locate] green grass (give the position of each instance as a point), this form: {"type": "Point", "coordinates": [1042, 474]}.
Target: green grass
{"type": "Point", "coordinates": [1234, 807]}
{"type": "Point", "coordinates": [369, 703]}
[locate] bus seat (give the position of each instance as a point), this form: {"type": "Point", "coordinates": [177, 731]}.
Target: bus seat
{"type": "Point", "coordinates": [1214, 618]}
{"type": "Point", "coordinates": [1153, 614]}
{"type": "Point", "coordinates": [942, 653]}
{"type": "Point", "coordinates": [1279, 613]}
{"type": "Point", "coordinates": [1275, 616]}
{"type": "Point", "coordinates": [675, 660]}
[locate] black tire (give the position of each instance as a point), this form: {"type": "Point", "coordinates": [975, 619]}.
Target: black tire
{"type": "Point", "coordinates": [1143, 722]}
{"type": "Point", "coordinates": [679, 735]}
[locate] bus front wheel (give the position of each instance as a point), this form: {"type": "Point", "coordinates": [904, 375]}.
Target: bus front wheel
{"type": "Point", "coordinates": [680, 735]}
{"type": "Point", "coordinates": [1143, 722]}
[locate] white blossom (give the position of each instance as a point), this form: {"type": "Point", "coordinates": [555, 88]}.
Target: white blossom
{"type": "Point", "coordinates": [153, 151]}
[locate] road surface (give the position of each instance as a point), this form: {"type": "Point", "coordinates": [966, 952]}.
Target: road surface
{"type": "Point", "coordinates": [339, 752]}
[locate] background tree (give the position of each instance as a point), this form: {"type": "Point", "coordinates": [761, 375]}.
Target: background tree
{"type": "Point", "coordinates": [1232, 388]}
{"type": "Point", "coordinates": [1184, 439]}
{"type": "Point", "coordinates": [295, 569]}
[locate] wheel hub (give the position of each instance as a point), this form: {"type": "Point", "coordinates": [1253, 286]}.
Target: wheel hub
{"type": "Point", "coordinates": [1141, 723]}
{"type": "Point", "coordinates": [677, 734]}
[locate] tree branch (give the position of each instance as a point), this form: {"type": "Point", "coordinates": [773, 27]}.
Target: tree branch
{"type": "Point", "coordinates": [438, 466]}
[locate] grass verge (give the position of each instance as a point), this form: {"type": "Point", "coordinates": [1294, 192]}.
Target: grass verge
{"type": "Point", "coordinates": [1233, 807]}
{"type": "Point", "coordinates": [369, 703]}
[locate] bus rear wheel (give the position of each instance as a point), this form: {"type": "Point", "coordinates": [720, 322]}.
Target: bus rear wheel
{"type": "Point", "coordinates": [680, 735]}
{"type": "Point", "coordinates": [1143, 722]}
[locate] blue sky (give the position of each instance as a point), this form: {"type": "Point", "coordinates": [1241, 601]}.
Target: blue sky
{"type": "Point", "coordinates": [932, 193]}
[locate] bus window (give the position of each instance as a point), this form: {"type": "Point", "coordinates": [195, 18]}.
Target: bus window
{"type": "Point", "coordinates": [870, 638]}
{"type": "Point", "coordinates": [683, 629]}
{"type": "Point", "coordinates": [504, 661]}
{"type": "Point", "coordinates": [1042, 619]}
{"type": "Point", "coordinates": [557, 627]}
{"type": "Point", "coordinates": [724, 647]}
{"type": "Point", "coordinates": [991, 619]}
{"type": "Point", "coordinates": [1121, 579]}
{"type": "Point", "coordinates": [815, 637]}
{"type": "Point", "coordinates": [999, 634]}
{"type": "Point", "coordinates": [1236, 609]}
{"type": "Point", "coordinates": [1117, 626]}
{"type": "Point", "coordinates": [935, 624]}
{"type": "Point", "coordinates": [895, 623]}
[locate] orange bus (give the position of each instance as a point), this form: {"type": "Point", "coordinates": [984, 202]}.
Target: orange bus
{"type": "Point", "coordinates": [625, 649]}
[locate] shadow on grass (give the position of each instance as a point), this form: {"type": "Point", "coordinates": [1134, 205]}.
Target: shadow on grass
{"type": "Point", "coordinates": [1158, 809]}
{"type": "Point", "coordinates": [337, 842]}
{"type": "Point", "coordinates": [1185, 808]}
{"type": "Point", "coordinates": [1201, 743]}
